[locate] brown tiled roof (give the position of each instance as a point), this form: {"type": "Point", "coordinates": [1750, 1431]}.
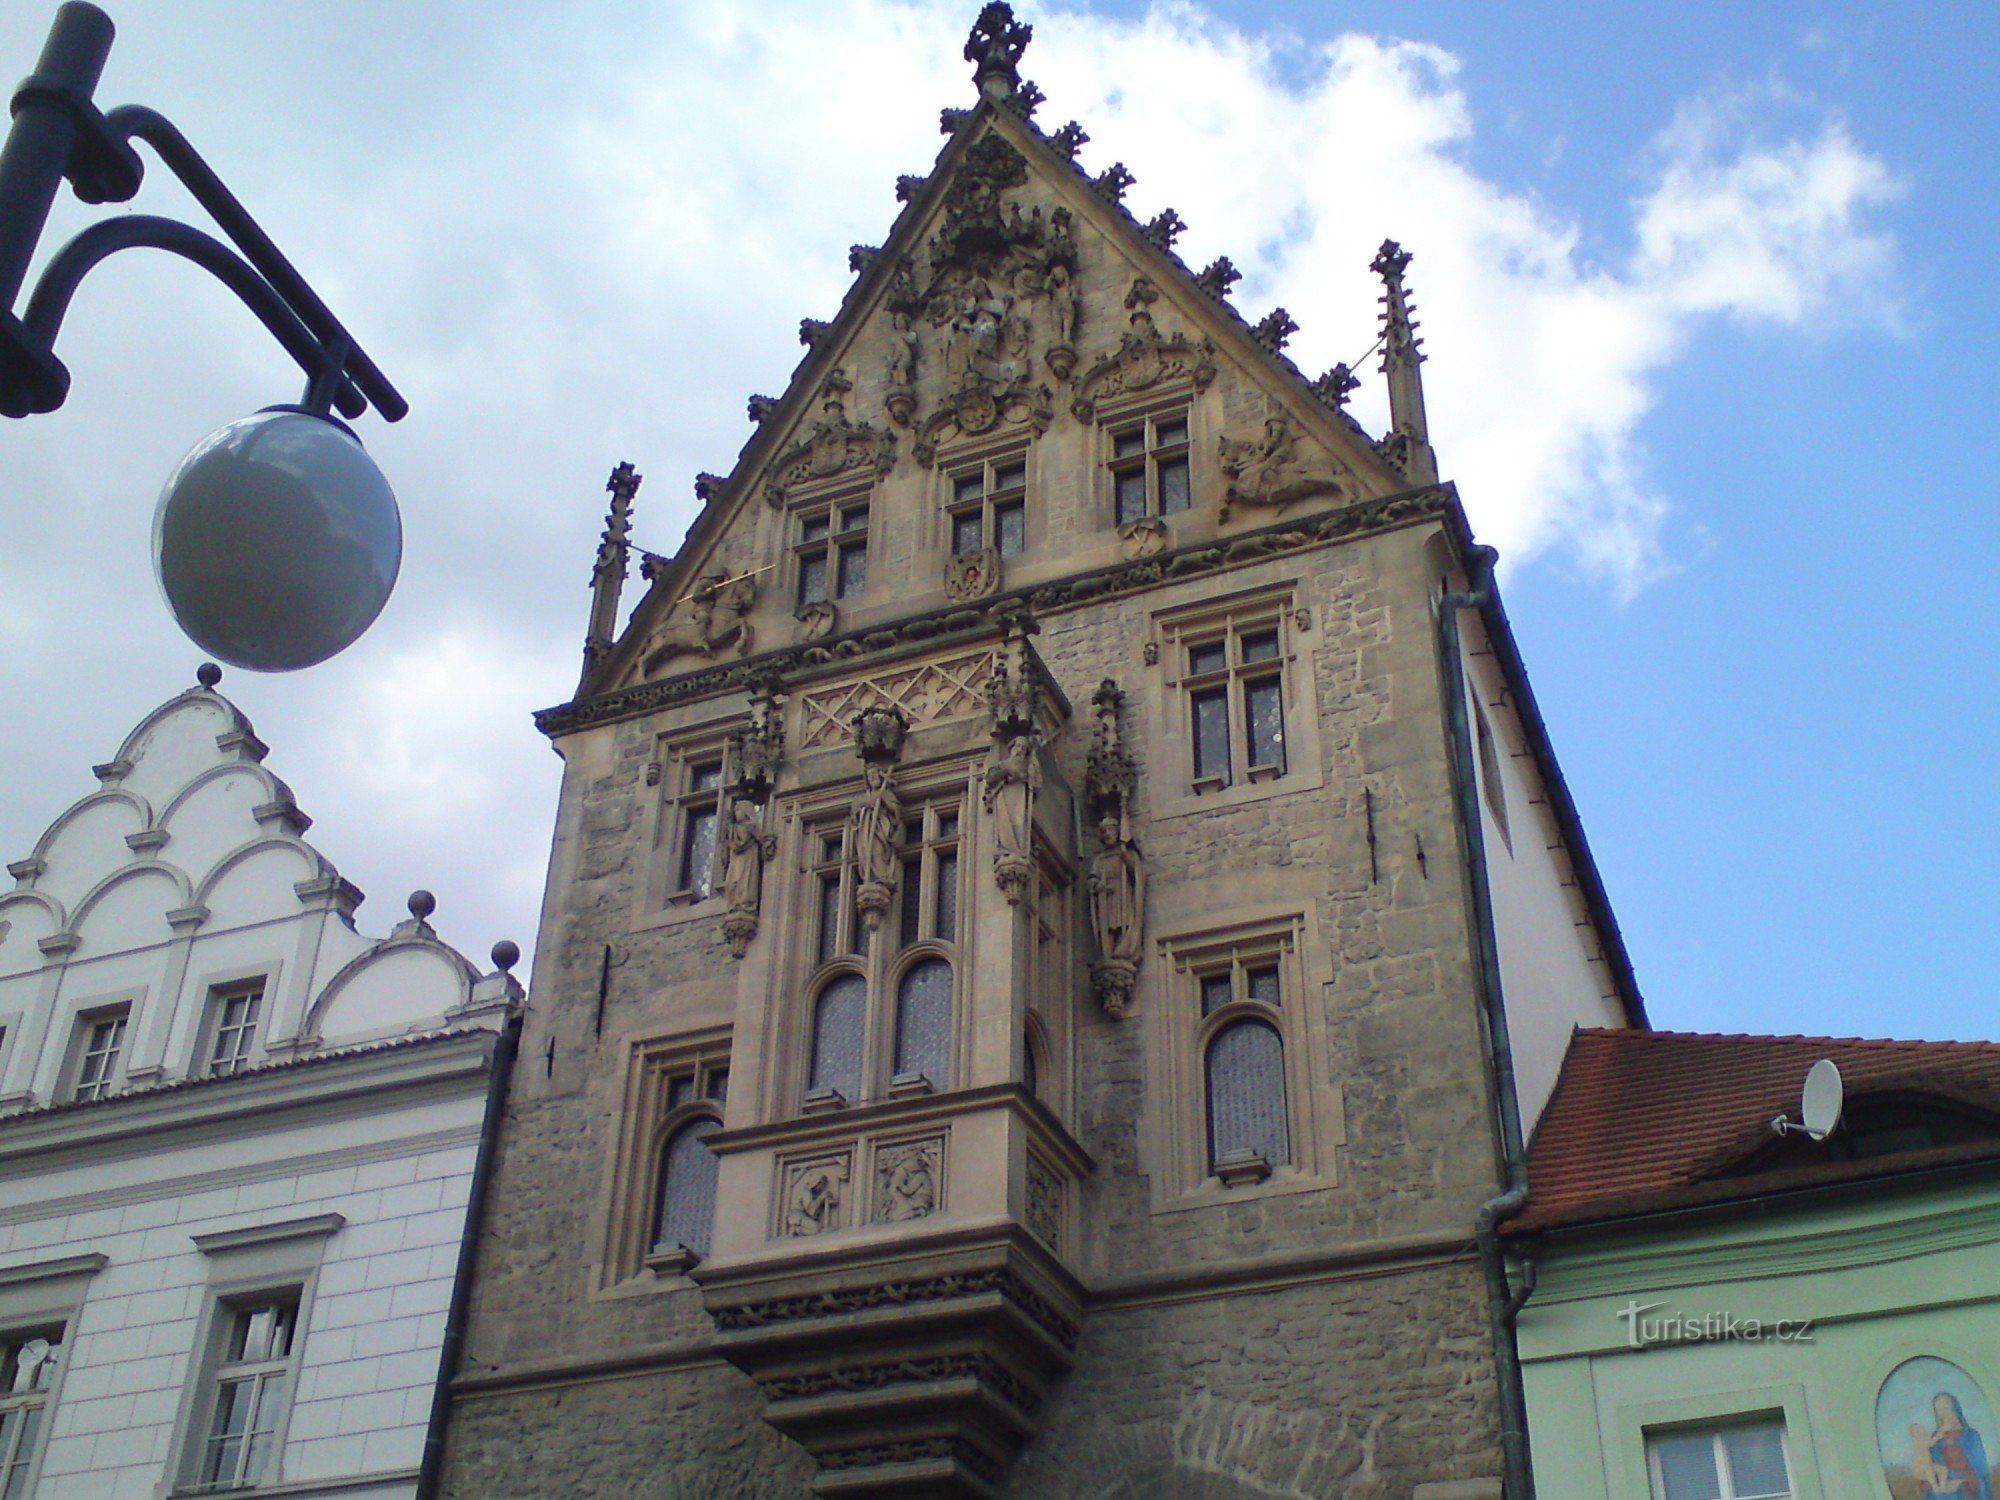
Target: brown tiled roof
{"type": "Point", "coordinates": [1644, 1121]}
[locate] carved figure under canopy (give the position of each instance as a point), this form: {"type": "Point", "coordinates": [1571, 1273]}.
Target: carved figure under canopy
{"type": "Point", "coordinates": [877, 826]}
{"type": "Point", "coordinates": [715, 614]}
{"type": "Point", "coordinates": [1013, 776]}
{"type": "Point", "coordinates": [1117, 893]}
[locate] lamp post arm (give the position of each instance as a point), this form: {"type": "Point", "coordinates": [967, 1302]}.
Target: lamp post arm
{"type": "Point", "coordinates": [44, 314]}
{"type": "Point", "coordinates": [130, 121]}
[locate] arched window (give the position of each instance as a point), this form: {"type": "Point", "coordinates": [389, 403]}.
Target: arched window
{"type": "Point", "coordinates": [840, 1020]}
{"type": "Point", "coordinates": [685, 1215]}
{"type": "Point", "coordinates": [923, 1022]}
{"type": "Point", "coordinates": [1031, 1065]}
{"type": "Point", "coordinates": [1246, 1094]}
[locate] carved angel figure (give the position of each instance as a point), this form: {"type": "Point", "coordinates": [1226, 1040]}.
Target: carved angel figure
{"type": "Point", "coordinates": [717, 613]}
{"type": "Point", "coordinates": [1117, 893]}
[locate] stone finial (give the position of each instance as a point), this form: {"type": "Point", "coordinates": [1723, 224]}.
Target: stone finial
{"type": "Point", "coordinates": [208, 674]}
{"type": "Point", "coordinates": [1027, 99]}
{"type": "Point", "coordinates": [1218, 276]}
{"type": "Point", "coordinates": [761, 407]}
{"type": "Point", "coordinates": [1165, 227]}
{"type": "Point", "coordinates": [1336, 385]}
{"type": "Point", "coordinates": [1275, 329]}
{"type": "Point", "coordinates": [812, 330]}
{"type": "Point", "coordinates": [1069, 140]}
{"type": "Point", "coordinates": [1402, 358]}
{"type": "Point", "coordinates": [506, 953]}
{"type": "Point", "coordinates": [861, 257]}
{"type": "Point", "coordinates": [994, 49]}
{"type": "Point", "coordinates": [1112, 182]}
{"type": "Point", "coordinates": [422, 904]}
{"type": "Point", "coordinates": [707, 486]}
{"type": "Point", "coordinates": [607, 574]}
{"type": "Point", "coordinates": [908, 186]}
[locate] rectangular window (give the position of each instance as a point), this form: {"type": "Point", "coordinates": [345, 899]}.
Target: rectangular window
{"type": "Point", "coordinates": [1149, 468]}
{"type": "Point", "coordinates": [930, 875]}
{"type": "Point", "coordinates": [691, 823]}
{"type": "Point", "coordinates": [1744, 1461]}
{"type": "Point", "coordinates": [989, 507]}
{"type": "Point", "coordinates": [28, 1360]}
{"type": "Point", "coordinates": [1491, 786]}
{"type": "Point", "coordinates": [235, 1014]}
{"type": "Point", "coordinates": [832, 552]}
{"type": "Point", "coordinates": [839, 932]}
{"type": "Point", "coordinates": [251, 1383]}
{"type": "Point", "coordinates": [1236, 702]}
{"type": "Point", "coordinates": [100, 1038]}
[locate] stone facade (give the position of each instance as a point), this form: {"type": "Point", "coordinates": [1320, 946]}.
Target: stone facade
{"type": "Point", "coordinates": [1116, 1265]}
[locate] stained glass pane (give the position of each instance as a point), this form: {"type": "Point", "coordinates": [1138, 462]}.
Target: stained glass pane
{"type": "Point", "coordinates": [1263, 984]}
{"type": "Point", "coordinates": [1125, 444]}
{"type": "Point", "coordinates": [1174, 492]}
{"type": "Point", "coordinates": [814, 528]}
{"type": "Point", "coordinates": [1170, 434]}
{"type": "Point", "coordinates": [1013, 477]}
{"type": "Point", "coordinates": [948, 825]}
{"type": "Point", "coordinates": [923, 1022]}
{"type": "Point", "coordinates": [853, 571]}
{"type": "Point", "coordinates": [838, 1022]}
{"type": "Point", "coordinates": [1214, 993]}
{"type": "Point", "coordinates": [854, 520]}
{"type": "Point", "coordinates": [698, 850]}
{"type": "Point", "coordinates": [1757, 1462]}
{"type": "Point", "coordinates": [686, 1213]}
{"type": "Point", "coordinates": [829, 916]}
{"type": "Point", "coordinates": [968, 533]}
{"type": "Point", "coordinates": [1131, 491]}
{"type": "Point", "coordinates": [1246, 1093]}
{"type": "Point", "coordinates": [913, 901]}
{"type": "Point", "coordinates": [812, 579]}
{"type": "Point", "coordinates": [1011, 522]}
{"type": "Point", "coordinates": [1687, 1467]}
{"type": "Point", "coordinates": [1211, 657]}
{"type": "Point", "coordinates": [1264, 710]}
{"type": "Point", "coordinates": [1211, 734]}
{"type": "Point", "coordinates": [947, 895]}
{"type": "Point", "coordinates": [968, 487]}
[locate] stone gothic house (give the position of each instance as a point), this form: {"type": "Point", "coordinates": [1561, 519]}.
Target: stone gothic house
{"type": "Point", "coordinates": [1062, 913]}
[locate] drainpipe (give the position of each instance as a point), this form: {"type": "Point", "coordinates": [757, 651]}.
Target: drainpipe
{"type": "Point", "coordinates": [432, 1471]}
{"type": "Point", "coordinates": [1503, 1303]}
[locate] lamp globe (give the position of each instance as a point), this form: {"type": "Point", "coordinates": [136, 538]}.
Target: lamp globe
{"type": "Point", "coordinates": [277, 541]}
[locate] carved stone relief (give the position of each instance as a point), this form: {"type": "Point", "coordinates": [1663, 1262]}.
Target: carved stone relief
{"type": "Point", "coordinates": [1143, 537]}
{"type": "Point", "coordinates": [831, 446]}
{"type": "Point", "coordinates": [909, 1180]}
{"type": "Point", "coordinates": [930, 693]}
{"type": "Point", "coordinates": [1145, 358]}
{"type": "Point", "coordinates": [972, 575]}
{"type": "Point", "coordinates": [1044, 1202]}
{"type": "Point", "coordinates": [815, 621]}
{"type": "Point", "coordinates": [814, 1192]}
{"type": "Point", "coordinates": [1273, 469]}
{"type": "Point", "coordinates": [714, 615]}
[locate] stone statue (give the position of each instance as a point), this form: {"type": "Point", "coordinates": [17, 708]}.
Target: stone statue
{"type": "Point", "coordinates": [1013, 776]}
{"type": "Point", "coordinates": [901, 365]}
{"type": "Point", "coordinates": [745, 847]}
{"type": "Point", "coordinates": [717, 613]}
{"type": "Point", "coordinates": [1117, 893]}
{"type": "Point", "coordinates": [877, 837]}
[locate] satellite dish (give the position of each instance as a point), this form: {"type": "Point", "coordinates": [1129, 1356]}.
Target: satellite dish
{"type": "Point", "coordinates": [1819, 1106]}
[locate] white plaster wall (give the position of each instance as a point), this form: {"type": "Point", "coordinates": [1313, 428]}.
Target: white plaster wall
{"type": "Point", "coordinates": [1551, 969]}
{"type": "Point", "coordinates": [373, 1333]}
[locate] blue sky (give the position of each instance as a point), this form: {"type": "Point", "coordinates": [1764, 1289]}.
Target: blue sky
{"type": "Point", "coordinates": [1743, 482]}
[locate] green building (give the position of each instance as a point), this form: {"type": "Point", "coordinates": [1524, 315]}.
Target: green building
{"type": "Point", "coordinates": [1722, 1310]}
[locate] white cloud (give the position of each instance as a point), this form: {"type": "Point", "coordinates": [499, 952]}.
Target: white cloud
{"type": "Point", "coordinates": [593, 233]}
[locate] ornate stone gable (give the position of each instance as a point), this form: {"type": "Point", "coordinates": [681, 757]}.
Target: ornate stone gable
{"type": "Point", "coordinates": [830, 447]}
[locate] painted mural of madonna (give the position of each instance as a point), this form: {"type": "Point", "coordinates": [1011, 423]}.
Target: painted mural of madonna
{"type": "Point", "coordinates": [1933, 1423]}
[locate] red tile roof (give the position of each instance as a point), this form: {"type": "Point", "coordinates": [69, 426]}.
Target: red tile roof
{"type": "Point", "coordinates": [1643, 1121]}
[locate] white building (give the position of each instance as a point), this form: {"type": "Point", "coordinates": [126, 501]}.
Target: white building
{"type": "Point", "coordinates": [239, 1141]}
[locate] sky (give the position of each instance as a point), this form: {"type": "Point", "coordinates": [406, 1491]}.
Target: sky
{"type": "Point", "coordinates": [1708, 300]}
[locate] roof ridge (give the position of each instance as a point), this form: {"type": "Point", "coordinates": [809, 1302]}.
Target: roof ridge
{"type": "Point", "coordinates": [1596, 1033]}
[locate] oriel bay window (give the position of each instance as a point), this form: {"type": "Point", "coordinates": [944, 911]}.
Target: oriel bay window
{"type": "Point", "coordinates": [1149, 467]}
{"type": "Point", "coordinates": [831, 550]}
{"type": "Point", "coordinates": [989, 507]}
{"type": "Point", "coordinates": [882, 1011]}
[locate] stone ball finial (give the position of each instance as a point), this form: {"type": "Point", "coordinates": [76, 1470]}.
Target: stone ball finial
{"type": "Point", "coordinates": [422, 904]}
{"type": "Point", "coordinates": [506, 954]}
{"type": "Point", "coordinates": [208, 674]}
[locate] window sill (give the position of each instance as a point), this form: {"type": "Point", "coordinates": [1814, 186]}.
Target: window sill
{"type": "Point", "coordinates": [680, 907]}
{"type": "Point", "coordinates": [1213, 795]}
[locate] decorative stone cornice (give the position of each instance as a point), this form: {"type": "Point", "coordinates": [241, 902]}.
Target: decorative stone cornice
{"type": "Point", "coordinates": [1364, 517]}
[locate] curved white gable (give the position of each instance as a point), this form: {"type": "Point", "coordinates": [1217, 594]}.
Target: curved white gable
{"type": "Point", "coordinates": [183, 877]}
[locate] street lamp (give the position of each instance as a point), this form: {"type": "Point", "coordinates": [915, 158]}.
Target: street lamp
{"type": "Point", "coordinates": [277, 540]}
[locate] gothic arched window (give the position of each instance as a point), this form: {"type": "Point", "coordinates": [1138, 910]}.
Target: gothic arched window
{"type": "Point", "coordinates": [684, 1214]}
{"type": "Point", "coordinates": [1246, 1094]}
{"type": "Point", "coordinates": [840, 1021]}
{"type": "Point", "coordinates": [923, 1022]}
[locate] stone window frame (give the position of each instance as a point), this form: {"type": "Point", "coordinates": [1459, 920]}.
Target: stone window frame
{"type": "Point", "coordinates": [676, 756]}
{"type": "Point", "coordinates": [208, 1036]}
{"type": "Point", "coordinates": [1284, 936]}
{"type": "Point", "coordinates": [986, 466]}
{"type": "Point", "coordinates": [836, 504]}
{"type": "Point", "coordinates": [1146, 418]}
{"type": "Point", "coordinates": [1171, 755]}
{"type": "Point", "coordinates": [651, 1118]}
{"type": "Point", "coordinates": [83, 1031]}
{"type": "Point", "coordinates": [885, 960]}
{"type": "Point", "coordinates": [36, 1300]}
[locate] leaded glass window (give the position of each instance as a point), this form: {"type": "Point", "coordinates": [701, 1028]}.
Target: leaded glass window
{"type": "Point", "coordinates": [832, 552]}
{"type": "Point", "coordinates": [840, 1021]}
{"type": "Point", "coordinates": [1149, 468]}
{"type": "Point", "coordinates": [1235, 684]}
{"type": "Point", "coordinates": [685, 1211]}
{"type": "Point", "coordinates": [923, 1022]}
{"type": "Point", "coordinates": [1246, 1093]}
{"type": "Point", "coordinates": [989, 506]}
